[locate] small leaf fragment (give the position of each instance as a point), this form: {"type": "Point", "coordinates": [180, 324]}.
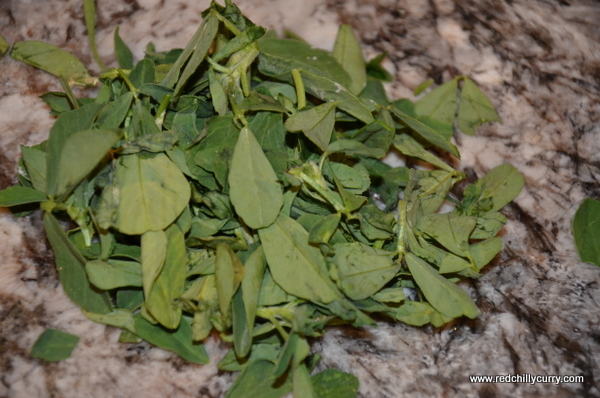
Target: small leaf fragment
{"type": "Point", "coordinates": [53, 345]}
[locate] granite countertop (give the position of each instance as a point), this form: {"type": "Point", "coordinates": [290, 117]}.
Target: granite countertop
{"type": "Point", "coordinates": [538, 61]}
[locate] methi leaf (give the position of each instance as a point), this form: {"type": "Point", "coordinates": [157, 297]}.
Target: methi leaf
{"type": "Point", "coordinates": [254, 190]}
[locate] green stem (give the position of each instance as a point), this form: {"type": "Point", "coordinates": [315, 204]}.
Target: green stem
{"type": "Point", "coordinates": [300, 93]}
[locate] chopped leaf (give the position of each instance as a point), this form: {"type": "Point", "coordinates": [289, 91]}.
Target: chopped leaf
{"type": "Point", "coordinates": [54, 345]}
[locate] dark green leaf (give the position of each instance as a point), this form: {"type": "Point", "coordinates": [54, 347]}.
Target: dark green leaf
{"type": "Point", "coordinates": [54, 345]}
{"type": "Point", "coordinates": [71, 270]}
{"type": "Point", "coordinates": [332, 383]}
{"type": "Point", "coordinates": [18, 195]}
{"type": "Point", "coordinates": [586, 230]}
{"type": "Point", "coordinates": [122, 52]}
{"type": "Point", "coordinates": [179, 341]}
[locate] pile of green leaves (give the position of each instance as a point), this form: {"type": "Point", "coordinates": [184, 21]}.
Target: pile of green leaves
{"type": "Point", "coordinates": [236, 187]}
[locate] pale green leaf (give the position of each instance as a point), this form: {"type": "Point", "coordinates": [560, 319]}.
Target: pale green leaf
{"type": "Point", "coordinates": [474, 108]}
{"type": "Point", "coordinates": [169, 285]}
{"type": "Point", "coordinates": [443, 295]}
{"type": "Point", "coordinates": [348, 53]}
{"type": "Point", "coordinates": [316, 123]}
{"type": "Point", "coordinates": [85, 149]}
{"type": "Point", "coordinates": [254, 190]}
{"type": "Point", "coordinates": [440, 103]}
{"type": "Point", "coordinates": [150, 193]}
{"type": "Point", "coordinates": [295, 265]}
{"type": "Point", "coordinates": [362, 271]}
{"type": "Point", "coordinates": [410, 147]}
{"type": "Point", "coordinates": [229, 273]}
{"type": "Point", "coordinates": [51, 59]}
{"type": "Point", "coordinates": [112, 274]}
{"type": "Point", "coordinates": [154, 253]}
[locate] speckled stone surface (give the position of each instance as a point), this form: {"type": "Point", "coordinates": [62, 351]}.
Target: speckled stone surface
{"type": "Point", "coordinates": [539, 62]}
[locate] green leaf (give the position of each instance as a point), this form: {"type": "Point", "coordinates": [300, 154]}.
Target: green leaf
{"type": "Point", "coordinates": [89, 9]}
{"type": "Point", "coordinates": [150, 193]}
{"type": "Point", "coordinates": [440, 103]}
{"type": "Point", "coordinates": [330, 90]}
{"type": "Point", "coordinates": [179, 341]}
{"type": "Point", "coordinates": [229, 273]}
{"type": "Point", "coordinates": [18, 195]}
{"type": "Point", "coordinates": [354, 148]}
{"type": "Point", "coordinates": [586, 231]}
{"type": "Point", "coordinates": [257, 380]}
{"type": "Point", "coordinates": [215, 151]}
{"type": "Point", "coordinates": [296, 266]}
{"type": "Point", "coordinates": [169, 284]}
{"type": "Point", "coordinates": [362, 271]}
{"type": "Point", "coordinates": [348, 53]}
{"type": "Point", "coordinates": [254, 272]}
{"type": "Point", "coordinates": [332, 383]}
{"type": "Point", "coordinates": [192, 56]}
{"type": "Point", "coordinates": [426, 132]}
{"type": "Point", "coordinates": [474, 108]}
{"type": "Point", "coordinates": [120, 318]}
{"type": "Point", "coordinates": [323, 230]}
{"type": "Point", "coordinates": [112, 274]}
{"type": "Point", "coordinates": [443, 295]}
{"type": "Point", "coordinates": [85, 149]}
{"type": "Point", "coordinates": [410, 147]}
{"type": "Point", "coordinates": [122, 52]}
{"type": "Point", "coordinates": [54, 345]}
{"type": "Point", "coordinates": [4, 46]}
{"type": "Point", "coordinates": [154, 253]}
{"type": "Point", "coordinates": [71, 270]}
{"type": "Point", "coordinates": [114, 113]}
{"type": "Point", "coordinates": [280, 56]}
{"type": "Point", "coordinates": [254, 190]}
{"type": "Point", "coordinates": [316, 123]}
{"type": "Point", "coordinates": [501, 184]}
{"type": "Point", "coordinates": [35, 161]}
{"type": "Point", "coordinates": [51, 59]}
{"type": "Point", "coordinates": [450, 230]}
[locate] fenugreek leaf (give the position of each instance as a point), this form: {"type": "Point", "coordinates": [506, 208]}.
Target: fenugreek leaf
{"type": "Point", "coordinates": [254, 190]}
{"type": "Point", "coordinates": [112, 274]}
{"type": "Point", "coordinates": [316, 123]}
{"type": "Point", "coordinates": [169, 284]}
{"type": "Point", "coordinates": [348, 53]}
{"type": "Point", "coordinates": [71, 270]}
{"type": "Point", "coordinates": [295, 265]}
{"type": "Point", "coordinates": [51, 59]}
{"type": "Point", "coordinates": [18, 195]}
{"type": "Point", "coordinates": [149, 194]}
{"type": "Point", "coordinates": [586, 230]}
{"type": "Point", "coordinates": [122, 52]}
{"type": "Point", "coordinates": [474, 108]}
{"type": "Point", "coordinates": [362, 271]}
{"type": "Point", "coordinates": [54, 345]}
{"type": "Point", "coordinates": [179, 341]}
{"type": "Point", "coordinates": [443, 295]}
